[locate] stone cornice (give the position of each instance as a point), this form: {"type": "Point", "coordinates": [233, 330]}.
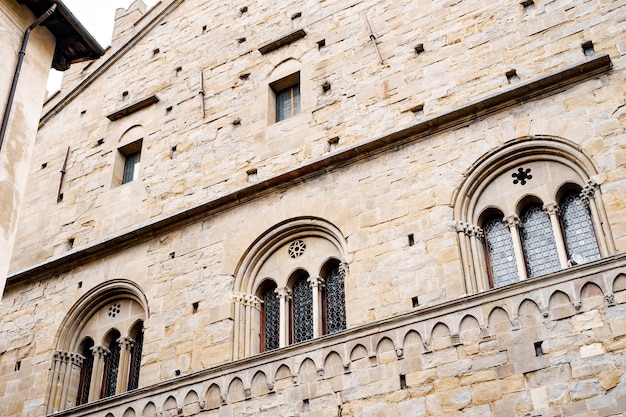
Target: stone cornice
{"type": "Point", "coordinates": [547, 84]}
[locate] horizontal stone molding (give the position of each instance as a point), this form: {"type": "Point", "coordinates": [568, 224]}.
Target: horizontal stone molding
{"type": "Point", "coordinates": [547, 84]}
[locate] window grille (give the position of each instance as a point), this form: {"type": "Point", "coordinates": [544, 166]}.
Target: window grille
{"type": "Point", "coordinates": [133, 380]}
{"type": "Point", "coordinates": [500, 252]}
{"type": "Point", "coordinates": [335, 301]}
{"type": "Point", "coordinates": [538, 241]}
{"type": "Point", "coordinates": [302, 310]}
{"type": "Point", "coordinates": [85, 373]}
{"type": "Point", "coordinates": [580, 237]}
{"type": "Point", "coordinates": [271, 319]}
{"type": "Point", "coordinates": [112, 368]}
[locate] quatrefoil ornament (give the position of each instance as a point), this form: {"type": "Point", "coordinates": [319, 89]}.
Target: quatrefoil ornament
{"type": "Point", "coordinates": [521, 176]}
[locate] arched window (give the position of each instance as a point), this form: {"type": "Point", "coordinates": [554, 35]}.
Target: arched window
{"type": "Point", "coordinates": [303, 261]}
{"type": "Point", "coordinates": [549, 213]}
{"type": "Point", "coordinates": [270, 318]}
{"type": "Point", "coordinates": [578, 230]}
{"type": "Point", "coordinates": [102, 339]}
{"type": "Point", "coordinates": [112, 364]}
{"type": "Point", "coordinates": [302, 308]}
{"type": "Point", "coordinates": [135, 362]}
{"type": "Point", "coordinates": [500, 254]}
{"type": "Point", "coordinates": [538, 243]}
{"type": "Point", "coordinates": [334, 299]}
{"type": "Point", "coordinates": [86, 371]}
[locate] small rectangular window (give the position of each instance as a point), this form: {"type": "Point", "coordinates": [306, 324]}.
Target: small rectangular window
{"type": "Point", "coordinates": [131, 167]}
{"type": "Point", "coordinates": [127, 163]}
{"type": "Point", "coordinates": [287, 102]}
{"type": "Point", "coordinates": [287, 96]}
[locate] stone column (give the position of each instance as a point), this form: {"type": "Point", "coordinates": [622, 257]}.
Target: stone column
{"type": "Point", "coordinates": [54, 392]}
{"type": "Point", "coordinates": [317, 284]}
{"type": "Point", "coordinates": [284, 295]}
{"type": "Point", "coordinates": [598, 217]}
{"type": "Point", "coordinates": [126, 349]}
{"type": "Point", "coordinates": [476, 237]}
{"type": "Point", "coordinates": [99, 355]}
{"type": "Point", "coordinates": [553, 211]}
{"type": "Point", "coordinates": [513, 224]}
{"type": "Point", "coordinates": [71, 381]}
{"type": "Point", "coordinates": [466, 257]}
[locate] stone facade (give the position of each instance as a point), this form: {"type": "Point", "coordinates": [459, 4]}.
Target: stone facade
{"type": "Point", "coordinates": [405, 106]}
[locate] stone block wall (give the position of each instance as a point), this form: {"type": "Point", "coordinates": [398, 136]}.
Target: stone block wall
{"type": "Point", "coordinates": [212, 182]}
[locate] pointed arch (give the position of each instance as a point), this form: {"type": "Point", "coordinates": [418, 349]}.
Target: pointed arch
{"type": "Point", "coordinates": [213, 397]}
{"type": "Point", "coordinates": [259, 386]}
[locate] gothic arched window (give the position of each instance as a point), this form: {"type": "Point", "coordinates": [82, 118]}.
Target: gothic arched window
{"type": "Point", "coordinates": [538, 241]}
{"type": "Point", "coordinates": [580, 236]}
{"type": "Point", "coordinates": [270, 318]}
{"type": "Point", "coordinates": [501, 258]}
{"type": "Point", "coordinates": [86, 371]}
{"type": "Point", "coordinates": [112, 364]}
{"type": "Point", "coordinates": [302, 308]}
{"type": "Point", "coordinates": [334, 300]}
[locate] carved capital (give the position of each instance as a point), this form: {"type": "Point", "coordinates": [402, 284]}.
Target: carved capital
{"type": "Point", "coordinates": [126, 343]}
{"type": "Point", "coordinates": [552, 209]}
{"type": "Point", "coordinates": [512, 221]}
{"type": "Point", "coordinates": [283, 292]}
{"type": "Point", "coordinates": [315, 282]}
{"type": "Point", "coordinates": [245, 299]}
{"type": "Point", "coordinates": [99, 351]}
{"type": "Point", "coordinates": [344, 268]}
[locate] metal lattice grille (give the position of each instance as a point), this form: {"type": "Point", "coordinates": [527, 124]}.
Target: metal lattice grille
{"type": "Point", "coordinates": [271, 317]}
{"type": "Point", "coordinates": [302, 311]}
{"type": "Point", "coordinates": [580, 237]}
{"type": "Point", "coordinates": [335, 301]}
{"type": "Point", "coordinates": [133, 380]}
{"type": "Point", "coordinates": [85, 377]}
{"type": "Point", "coordinates": [113, 365]}
{"type": "Point", "coordinates": [538, 241]}
{"type": "Point", "coordinates": [501, 254]}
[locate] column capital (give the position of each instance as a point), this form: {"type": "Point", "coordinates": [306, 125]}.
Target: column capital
{"type": "Point", "coordinates": [343, 269]}
{"type": "Point", "coordinates": [552, 209]}
{"type": "Point", "coordinates": [245, 299]}
{"type": "Point", "coordinates": [512, 221]}
{"type": "Point", "coordinates": [126, 343]}
{"type": "Point", "coordinates": [99, 351]}
{"type": "Point", "coordinates": [315, 282]}
{"type": "Point", "coordinates": [588, 191]}
{"type": "Point", "coordinates": [468, 229]}
{"type": "Point", "coordinates": [283, 292]}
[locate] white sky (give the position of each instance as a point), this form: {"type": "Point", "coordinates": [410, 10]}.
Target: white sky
{"type": "Point", "coordinates": [97, 17]}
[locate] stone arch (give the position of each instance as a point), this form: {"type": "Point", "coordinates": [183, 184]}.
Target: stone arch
{"type": "Point", "coordinates": [108, 314]}
{"type": "Point", "coordinates": [359, 357]}
{"type": "Point", "coordinates": [170, 407]}
{"type": "Point", "coordinates": [619, 288]}
{"type": "Point", "coordinates": [591, 296]}
{"type": "Point", "coordinates": [283, 378]}
{"type": "Point", "coordinates": [440, 336]}
{"type": "Point", "coordinates": [386, 351]}
{"type": "Point", "coordinates": [307, 372]}
{"type": "Point", "coordinates": [236, 391]}
{"type": "Point", "coordinates": [213, 397]}
{"type": "Point", "coordinates": [412, 347]}
{"type": "Point", "coordinates": [191, 404]}
{"type": "Point", "coordinates": [333, 365]}
{"type": "Point", "coordinates": [149, 410]}
{"type": "Point", "coordinates": [130, 412]}
{"type": "Point", "coordinates": [560, 305]}
{"type": "Point", "coordinates": [529, 313]}
{"type": "Point", "coordinates": [259, 386]}
{"type": "Point", "coordinates": [499, 320]}
{"type": "Point", "coordinates": [94, 300]}
{"type": "Point", "coordinates": [109, 415]}
{"type": "Point", "coordinates": [469, 329]}
{"type": "Point", "coordinates": [487, 185]}
{"type": "Point", "coordinates": [269, 255]}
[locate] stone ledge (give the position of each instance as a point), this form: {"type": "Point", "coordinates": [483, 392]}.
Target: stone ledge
{"type": "Point", "coordinates": [548, 84]}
